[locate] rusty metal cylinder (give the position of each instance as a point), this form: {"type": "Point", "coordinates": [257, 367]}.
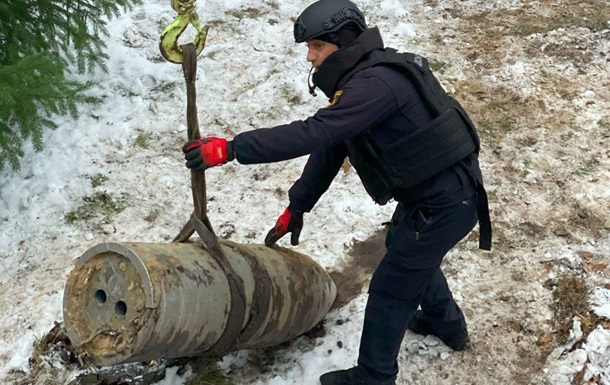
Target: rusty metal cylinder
{"type": "Point", "coordinates": [128, 302]}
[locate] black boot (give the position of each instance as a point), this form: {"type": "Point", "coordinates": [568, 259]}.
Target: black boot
{"type": "Point", "coordinates": [353, 376]}
{"type": "Point", "coordinates": [421, 324]}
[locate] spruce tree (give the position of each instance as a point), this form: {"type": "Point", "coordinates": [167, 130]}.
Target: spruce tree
{"type": "Point", "coordinates": [40, 41]}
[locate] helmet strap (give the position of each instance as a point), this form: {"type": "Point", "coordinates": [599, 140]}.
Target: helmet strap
{"type": "Point", "coordinates": [312, 87]}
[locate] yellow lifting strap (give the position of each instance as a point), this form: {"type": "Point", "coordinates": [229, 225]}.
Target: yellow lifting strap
{"type": "Point", "coordinates": [187, 14]}
{"type": "Point", "coordinates": [186, 54]}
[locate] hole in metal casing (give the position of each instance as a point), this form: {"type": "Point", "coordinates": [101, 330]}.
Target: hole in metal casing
{"type": "Point", "coordinates": [120, 308]}
{"type": "Point", "coordinates": [100, 295]}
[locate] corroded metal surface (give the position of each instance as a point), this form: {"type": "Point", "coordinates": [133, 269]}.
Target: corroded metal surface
{"type": "Point", "coordinates": [127, 302]}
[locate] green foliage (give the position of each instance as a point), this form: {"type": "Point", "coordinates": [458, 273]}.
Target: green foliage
{"type": "Point", "coordinates": [588, 167]}
{"type": "Point", "coordinates": [142, 141]}
{"type": "Point", "coordinates": [74, 28]}
{"type": "Point", "coordinates": [100, 205]}
{"type": "Point", "coordinates": [98, 180]}
{"type": "Point", "coordinates": [437, 65]}
{"type": "Point", "coordinates": [31, 91]}
{"type": "Point", "coordinates": [39, 41]}
{"type": "Point", "coordinates": [604, 125]}
{"type": "Point", "coordinates": [210, 378]}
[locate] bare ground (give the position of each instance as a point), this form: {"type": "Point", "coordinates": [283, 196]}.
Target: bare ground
{"type": "Point", "coordinates": [535, 76]}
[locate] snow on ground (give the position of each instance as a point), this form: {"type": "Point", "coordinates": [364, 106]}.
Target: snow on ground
{"type": "Point", "coordinates": [535, 77]}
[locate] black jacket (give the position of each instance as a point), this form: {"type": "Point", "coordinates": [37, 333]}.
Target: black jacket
{"type": "Point", "coordinates": [379, 100]}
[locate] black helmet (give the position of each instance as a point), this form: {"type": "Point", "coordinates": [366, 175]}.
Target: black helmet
{"type": "Point", "coordinates": [325, 16]}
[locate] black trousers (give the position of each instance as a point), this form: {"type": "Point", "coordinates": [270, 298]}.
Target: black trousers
{"type": "Point", "coordinates": [408, 276]}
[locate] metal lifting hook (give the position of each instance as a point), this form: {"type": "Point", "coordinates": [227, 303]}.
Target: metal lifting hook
{"type": "Point", "coordinates": [187, 14]}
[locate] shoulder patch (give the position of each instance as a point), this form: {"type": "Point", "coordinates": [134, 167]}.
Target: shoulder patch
{"type": "Point", "coordinates": [335, 98]}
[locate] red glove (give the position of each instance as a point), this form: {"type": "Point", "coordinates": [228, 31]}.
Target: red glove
{"type": "Point", "coordinates": [201, 154]}
{"type": "Point", "coordinates": [291, 221]}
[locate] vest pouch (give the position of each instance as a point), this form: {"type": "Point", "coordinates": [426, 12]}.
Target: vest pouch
{"type": "Point", "coordinates": [365, 160]}
{"type": "Point", "coordinates": [429, 150]}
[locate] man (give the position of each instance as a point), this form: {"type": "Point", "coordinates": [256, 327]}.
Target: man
{"type": "Point", "coordinates": [408, 141]}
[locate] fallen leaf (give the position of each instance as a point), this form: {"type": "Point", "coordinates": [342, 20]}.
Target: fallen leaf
{"type": "Point", "coordinates": [545, 340]}
{"type": "Point", "coordinates": [599, 266]}
{"type": "Point", "coordinates": [346, 166]}
{"type": "Point", "coordinates": [585, 255]}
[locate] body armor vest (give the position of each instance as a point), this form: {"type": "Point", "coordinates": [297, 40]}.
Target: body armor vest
{"type": "Point", "coordinates": [446, 140]}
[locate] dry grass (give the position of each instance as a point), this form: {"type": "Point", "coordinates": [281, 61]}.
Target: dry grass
{"type": "Point", "coordinates": [571, 299]}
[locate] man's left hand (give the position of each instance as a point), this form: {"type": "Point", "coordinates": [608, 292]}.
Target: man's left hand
{"type": "Point", "coordinates": [204, 153]}
{"type": "Point", "coordinates": [291, 221]}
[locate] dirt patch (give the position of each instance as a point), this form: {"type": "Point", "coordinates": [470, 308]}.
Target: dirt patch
{"type": "Point", "coordinates": [54, 346]}
{"type": "Point", "coordinates": [56, 349]}
{"type": "Point", "coordinates": [571, 299]}
{"type": "Point", "coordinates": [363, 259]}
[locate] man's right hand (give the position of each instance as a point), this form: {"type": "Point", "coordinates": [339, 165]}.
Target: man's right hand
{"type": "Point", "coordinates": [291, 221]}
{"type": "Point", "coordinates": [201, 154]}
